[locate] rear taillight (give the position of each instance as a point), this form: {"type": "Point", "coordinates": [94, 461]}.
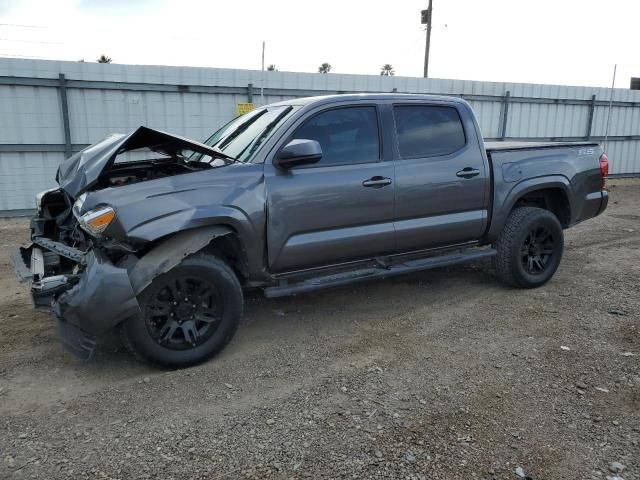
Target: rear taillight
{"type": "Point", "coordinates": [604, 170]}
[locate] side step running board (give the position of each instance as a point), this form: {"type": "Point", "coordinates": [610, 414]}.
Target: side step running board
{"type": "Point", "coordinates": [352, 276]}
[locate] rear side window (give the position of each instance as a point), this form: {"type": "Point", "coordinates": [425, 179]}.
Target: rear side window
{"type": "Point", "coordinates": [428, 130]}
{"type": "Point", "coordinates": [346, 135]}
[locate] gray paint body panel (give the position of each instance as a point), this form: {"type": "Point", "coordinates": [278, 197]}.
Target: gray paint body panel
{"type": "Point", "coordinates": [433, 205]}
{"type": "Point", "coordinates": [573, 168]}
{"type": "Point", "coordinates": [232, 196]}
{"type": "Point", "coordinates": [325, 215]}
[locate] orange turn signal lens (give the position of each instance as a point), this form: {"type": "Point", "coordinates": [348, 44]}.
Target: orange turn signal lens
{"type": "Point", "coordinates": [97, 220]}
{"type": "Point", "coordinates": [102, 220]}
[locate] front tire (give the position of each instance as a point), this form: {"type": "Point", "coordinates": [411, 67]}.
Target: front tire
{"type": "Point", "coordinates": [188, 314]}
{"type": "Point", "coordinates": [529, 247]}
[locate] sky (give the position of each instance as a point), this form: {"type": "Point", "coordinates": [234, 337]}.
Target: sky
{"type": "Point", "coordinates": [567, 42]}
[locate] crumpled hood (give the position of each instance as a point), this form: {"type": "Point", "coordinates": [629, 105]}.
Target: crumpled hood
{"type": "Point", "coordinates": [81, 171]}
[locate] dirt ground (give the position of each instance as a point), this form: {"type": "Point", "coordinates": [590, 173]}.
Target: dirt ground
{"type": "Point", "coordinates": [444, 374]}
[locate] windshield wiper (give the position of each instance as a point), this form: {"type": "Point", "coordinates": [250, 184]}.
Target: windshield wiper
{"type": "Point", "coordinates": [197, 156]}
{"type": "Point", "coordinates": [227, 140]}
{"type": "Point", "coordinates": [224, 156]}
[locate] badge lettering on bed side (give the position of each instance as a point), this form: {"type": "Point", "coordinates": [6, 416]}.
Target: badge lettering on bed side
{"type": "Point", "coordinates": [585, 152]}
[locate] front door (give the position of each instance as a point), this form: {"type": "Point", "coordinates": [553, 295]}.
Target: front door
{"type": "Point", "coordinates": [442, 183]}
{"type": "Point", "coordinates": [340, 208]}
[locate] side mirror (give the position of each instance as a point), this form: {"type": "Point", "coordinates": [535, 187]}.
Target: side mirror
{"type": "Point", "coordinates": [298, 152]}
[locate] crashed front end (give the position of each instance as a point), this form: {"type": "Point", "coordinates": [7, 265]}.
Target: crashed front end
{"type": "Point", "coordinates": [82, 259]}
{"type": "Point", "coordinates": [82, 283]}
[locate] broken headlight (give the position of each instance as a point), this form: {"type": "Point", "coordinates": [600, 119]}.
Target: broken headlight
{"type": "Point", "coordinates": [41, 195]}
{"type": "Point", "coordinates": [95, 221]}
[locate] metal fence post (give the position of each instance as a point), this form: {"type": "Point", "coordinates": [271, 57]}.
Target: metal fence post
{"type": "Point", "coordinates": [64, 107]}
{"type": "Point", "coordinates": [592, 111]}
{"type": "Point", "coordinates": [504, 114]}
{"type": "Point", "coordinates": [250, 93]}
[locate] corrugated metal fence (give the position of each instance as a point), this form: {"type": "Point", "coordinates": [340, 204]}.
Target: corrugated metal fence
{"type": "Point", "coordinates": [50, 109]}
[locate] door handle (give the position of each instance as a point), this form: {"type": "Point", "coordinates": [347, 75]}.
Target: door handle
{"type": "Point", "coordinates": [467, 172]}
{"type": "Point", "coordinates": [377, 182]}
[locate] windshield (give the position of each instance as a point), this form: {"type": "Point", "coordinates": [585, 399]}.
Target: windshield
{"type": "Point", "coordinates": [241, 138]}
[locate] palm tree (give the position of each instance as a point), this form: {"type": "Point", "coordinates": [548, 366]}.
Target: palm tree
{"type": "Point", "coordinates": [324, 68]}
{"type": "Point", "coordinates": [104, 59]}
{"type": "Point", "coordinates": [387, 70]}
{"type": "Point", "coordinates": [272, 68]}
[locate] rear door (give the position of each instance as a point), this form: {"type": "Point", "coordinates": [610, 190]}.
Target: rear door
{"type": "Point", "coordinates": [340, 208]}
{"type": "Point", "coordinates": [442, 182]}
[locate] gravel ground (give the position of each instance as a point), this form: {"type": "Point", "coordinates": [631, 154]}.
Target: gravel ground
{"type": "Point", "coordinates": [441, 375]}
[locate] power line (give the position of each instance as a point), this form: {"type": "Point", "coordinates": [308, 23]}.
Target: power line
{"type": "Point", "coordinates": [15, 55]}
{"type": "Point", "coordinates": [22, 25]}
{"type": "Point", "coordinates": [30, 41]}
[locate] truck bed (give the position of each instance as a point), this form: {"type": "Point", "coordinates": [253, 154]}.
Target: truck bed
{"type": "Point", "coordinates": [511, 145]}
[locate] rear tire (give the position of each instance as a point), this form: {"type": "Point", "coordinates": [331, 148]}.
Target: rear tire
{"type": "Point", "coordinates": [188, 314]}
{"type": "Point", "coordinates": [529, 247]}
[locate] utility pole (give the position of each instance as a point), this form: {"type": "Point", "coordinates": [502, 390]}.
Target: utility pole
{"type": "Point", "coordinates": [427, 16]}
{"type": "Point", "coordinates": [613, 84]}
{"type": "Point", "coordinates": [262, 81]}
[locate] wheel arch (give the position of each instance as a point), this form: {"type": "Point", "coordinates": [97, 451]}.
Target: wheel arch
{"type": "Point", "coordinates": [167, 252]}
{"type": "Point", "coordinates": [553, 193]}
{"type": "Point", "coordinates": [555, 199]}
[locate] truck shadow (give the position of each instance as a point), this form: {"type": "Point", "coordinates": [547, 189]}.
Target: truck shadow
{"type": "Point", "coordinates": [328, 324]}
{"type": "Point", "coordinates": [267, 321]}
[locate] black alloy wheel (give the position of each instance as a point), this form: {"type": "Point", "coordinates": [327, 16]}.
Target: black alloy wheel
{"type": "Point", "coordinates": [184, 312]}
{"type": "Point", "coordinates": [537, 251]}
{"type": "Point", "coordinates": [529, 248]}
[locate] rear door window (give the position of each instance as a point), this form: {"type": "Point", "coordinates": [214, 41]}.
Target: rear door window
{"type": "Point", "coordinates": [428, 130]}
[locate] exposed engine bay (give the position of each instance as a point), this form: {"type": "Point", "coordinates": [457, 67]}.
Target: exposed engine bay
{"type": "Point", "coordinates": [133, 172]}
{"type": "Point", "coordinates": [100, 166]}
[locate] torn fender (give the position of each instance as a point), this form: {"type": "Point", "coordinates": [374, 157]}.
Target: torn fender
{"type": "Point", "coordinates": [171, 252]}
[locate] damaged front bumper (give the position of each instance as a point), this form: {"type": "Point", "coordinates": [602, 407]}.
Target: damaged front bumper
{"type": "Point", "coordinates": [86, 303]}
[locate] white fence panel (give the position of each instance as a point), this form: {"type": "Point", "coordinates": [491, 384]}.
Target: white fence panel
{"type": "Point", "coordinates": [103, 99]}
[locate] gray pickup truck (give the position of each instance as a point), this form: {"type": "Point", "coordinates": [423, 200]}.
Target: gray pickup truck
{"type": "Point", "coordinates": [158, 235]}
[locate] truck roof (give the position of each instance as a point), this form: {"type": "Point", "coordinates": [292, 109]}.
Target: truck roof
{"type": "Point", "coordinates": [326, 99]}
